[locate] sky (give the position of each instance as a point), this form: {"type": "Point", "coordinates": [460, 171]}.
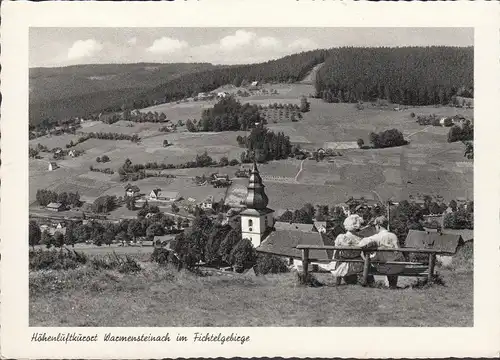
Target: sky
{"type": "Point", "coordinates": [54, 47]}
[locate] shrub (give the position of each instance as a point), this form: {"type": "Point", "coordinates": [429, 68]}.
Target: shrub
{"type": "Point", "coordinates": [105, 158]}
{"type": "Point", "coordinates": [270, 264]}
{"type": "Point", "coordinates": [161, 256]}
{"type": "Point", "coordinates": [387, 138]}
{"type": "Point", "coordinates": [55, 259]}
{"type": "Point", "coordinates": [243, 255]}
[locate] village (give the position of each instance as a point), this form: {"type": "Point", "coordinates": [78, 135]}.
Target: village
{"type": "Point", "coordinates": [207, 186]}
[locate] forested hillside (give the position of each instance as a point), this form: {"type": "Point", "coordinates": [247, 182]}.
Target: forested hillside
{"type": "Point", "coordinates": [287, 69]}
{"type": "Point", "coordinates": [410, 76]}
{"type": "Point", "coordinates": [48, 84]}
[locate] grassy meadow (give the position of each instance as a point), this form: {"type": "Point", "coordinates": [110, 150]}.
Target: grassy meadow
{"type": "Point", "coordinates": [161, 296]}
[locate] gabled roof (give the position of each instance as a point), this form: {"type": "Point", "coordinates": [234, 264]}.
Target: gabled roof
{"type": "Point", "coordinates": [466, 234]}
{"type": "Point", "coordinates": [281, 225]}
{"type": "Point", "coordinates": [319, 224]}
{"type": "Point", "coordinates": [169, 194]}
{"type": "Point", "coordinates": [283, 243]}
{"type": "Point", "coordinates": [433, 240]}
{"type": "Point", "coordinates": [54, 205]}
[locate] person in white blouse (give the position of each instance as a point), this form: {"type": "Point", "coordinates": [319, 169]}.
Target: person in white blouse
{"type": "Point", "coordinates": [384, 239]}
{"type": "Point", "coordinates": [347, 270]}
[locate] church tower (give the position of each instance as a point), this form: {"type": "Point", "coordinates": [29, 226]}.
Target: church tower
{"type": "Point", "coordinates": [257, 219]}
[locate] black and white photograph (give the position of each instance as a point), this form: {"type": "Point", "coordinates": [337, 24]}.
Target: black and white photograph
{"type": "Point", "coordinates": [233, 179]}
{"type": "Point", "coordinates": [219, 177]}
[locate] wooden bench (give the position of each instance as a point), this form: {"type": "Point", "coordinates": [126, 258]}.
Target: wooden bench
{"type": "Point", "coordinates": [427, 267]}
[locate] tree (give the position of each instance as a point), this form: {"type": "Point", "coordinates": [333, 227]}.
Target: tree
{"type": "Point", "coordinates": [69, 236]}
{"type": "Point", "coordinates": [123, 237]}
{"type": "Point", "coordinates": [304, 104]}
{"type": "Point", "coordinates": [135, 229]}
{"type": "Point", "coordinates": [243, 255]}
{"type": "Point", "coordinates": [224, 161]}
{"type": "Point", "coordinates": [469, 150]}
{"type": "Point", "coordinates": [287, 216]}
{"type": "Point", "coordinates": [165, 143]}
{"type": "Point", "coordinates": [105, 158]}
{"type": "Point", "coordinates": [98, 159]}
{"type": "Point", "coordinates": [155, 229]}
{"type": "Point", "coordinates": [361, 143]}
{"type": "Point", "coordinates": [175, 208]}
{"type": "Point", "coordinates": [387, 138]}
{"type": "Point", "coordinates": [35, 235]}
{"type": "Point", "coordinates": [453, 205]}
{"type": "Point", "coordinates": [58, 240]}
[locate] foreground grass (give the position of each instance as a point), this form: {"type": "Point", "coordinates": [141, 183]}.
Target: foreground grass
{"type": "Point", "coordinates": [164, 297]}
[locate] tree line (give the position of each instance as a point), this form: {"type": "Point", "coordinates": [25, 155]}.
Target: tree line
{"type": "Point", "coordinates": [45, 197]}
{"type": "Point", "coordinates": [408, 75]}
{"type": "Point", "coordinates": [264, 145]}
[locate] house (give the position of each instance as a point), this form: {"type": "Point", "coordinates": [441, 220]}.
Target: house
{"type": "Point", "coordinates": [222, 94]}
{"type": "Point", "coordinates": [158, 195]}
{"type": "Point", "coordinates": [320, 226]}
{"type": "Point", "coordinates": [208, 204]}
{"type": "Point", "coordinates": [53, 166]}
{"type": "Point", "coordinates": [321, 151]}
{"type": "Point", "coordinates": [254, 83]}
{"type": "Point", "coordinates": [55, 206]}
{"type": "Point", "coordinates": [164, 240]}
{"type": "Point", "coordinates": [445, 241]}
{"type": "Point", "coordinates": [282, 225]}
{"type": "Point", "coordinates": [132, 191]}
{"type": "Point", "coordinates": [72, 153]}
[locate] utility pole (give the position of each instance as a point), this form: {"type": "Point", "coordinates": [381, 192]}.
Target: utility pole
{"type": "Point", "coordinates": [388, 215]}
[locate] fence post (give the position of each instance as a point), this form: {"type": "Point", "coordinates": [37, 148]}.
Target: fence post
{"type": "Point", "coordinates": [305, 263]}
{"type": "Point", "coordinates": [432, 263]}
{"type": "Point", "coordinates": [366, 268]}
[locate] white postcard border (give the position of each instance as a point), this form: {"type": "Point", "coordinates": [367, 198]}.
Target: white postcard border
{"type": "Point", "coordinates": [483, 339]}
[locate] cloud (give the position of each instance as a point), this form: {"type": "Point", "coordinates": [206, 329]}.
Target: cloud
{"type": "Point", "coordinates": [302, 44]}
{"type": "Point", "coordinates": [239, 39]}
{"type": "Point", "coordinates": [166, 45]}
{"type": "Point", "coordinates": [268, 42]}
{"type": "Point", "coordinates": [84, 48]}
{"type": "Point", "coordinates": [132, 41]}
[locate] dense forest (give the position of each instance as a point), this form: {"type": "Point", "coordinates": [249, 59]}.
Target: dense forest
{"type": "Point", "coordinates": [409, 76]}
{"type": "Point", "coordinates": [264, 145]}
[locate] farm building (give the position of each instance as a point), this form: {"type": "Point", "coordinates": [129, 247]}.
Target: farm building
{"type": "Point", "coordinates": [158, 195]}
{"type": "Point", "coordinates": [54, 206]}
{"type": "Point", "coordinates": [320, 226]}
{"type": "Point", "coordinates": [208, 204]}
{"type": "Point", "coordinates": [222, 94]}
{"type": "Point", "coordinates": [254, 83]}
{"type": "Point", "coordinates": [72, 153]}
{"type": "Point", "coordinates": [53, 166]}
{"type": "Point", "coordinates": [132, 191]}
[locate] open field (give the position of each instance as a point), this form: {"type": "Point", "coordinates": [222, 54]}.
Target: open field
{"type": "Point", "coordinates": [164, 297]}
{"type": "Point", "coordinates": [427, 165]}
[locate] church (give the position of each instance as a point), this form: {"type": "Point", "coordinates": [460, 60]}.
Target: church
{"type": "Point", "coordinates": [258, 225]}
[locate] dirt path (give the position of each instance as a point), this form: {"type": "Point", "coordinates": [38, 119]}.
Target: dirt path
{"type": "Point", "coordinates": [311, 76]}
{"type": "Point", "coordinates": [300, 170]}
{"type": "Point", "coordinates": [419, 131]}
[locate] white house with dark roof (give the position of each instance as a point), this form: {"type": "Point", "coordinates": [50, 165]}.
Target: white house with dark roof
{"type": "Point", "coordinates": [55, 206]}
{"type": "Point", "coordinates": [158, 195]}
{"type": "Point", "coordinates": [53, 165]}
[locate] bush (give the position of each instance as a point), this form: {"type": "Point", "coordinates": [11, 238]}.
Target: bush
{"type": "Point", "coordinates": [270, 264]}
{"type": "Point", "coordinates": [105, 158]}
{"type": "Point", "coordinates": [113, 261]}
{"type": "Point", "coordinates": [387, 138]}
{"type": "Point", "coordinates": [162, 256]}
{"type": "Point", "coordinates": [55, 259]}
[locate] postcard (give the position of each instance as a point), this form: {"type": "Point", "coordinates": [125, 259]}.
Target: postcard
{"type": "Point", "coordinates": [219, 179]}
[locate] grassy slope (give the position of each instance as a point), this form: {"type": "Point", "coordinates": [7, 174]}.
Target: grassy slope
{"type": "Point", "coordinates": [161, 297]}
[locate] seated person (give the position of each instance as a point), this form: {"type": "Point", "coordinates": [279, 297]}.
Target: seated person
{"type": "Point", "coordinates": [384, 239]}
{"type": "Point", "coordinates": [348, 270]}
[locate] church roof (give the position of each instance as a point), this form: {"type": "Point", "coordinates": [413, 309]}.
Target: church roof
{"type": "Point", "coordinates": [256, 196]}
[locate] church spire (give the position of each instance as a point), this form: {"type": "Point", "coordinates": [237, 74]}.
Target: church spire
{"type": "Point", "coordinates": [256, 196]}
